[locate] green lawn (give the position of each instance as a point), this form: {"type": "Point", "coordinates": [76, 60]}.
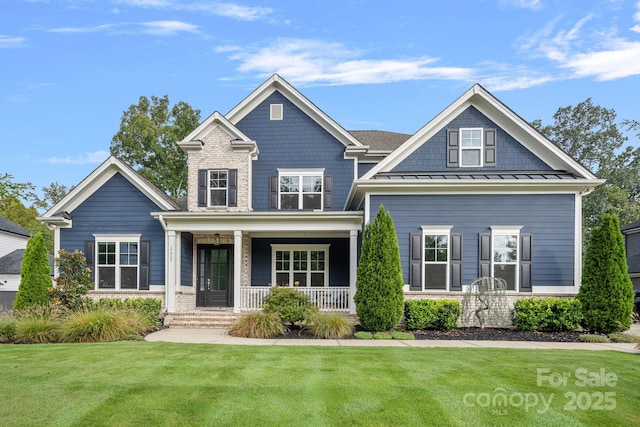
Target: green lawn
{"type": "Point", "coordinates": [141, 383]}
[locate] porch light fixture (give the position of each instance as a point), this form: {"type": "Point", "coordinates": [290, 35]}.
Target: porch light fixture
{"type": "Point", "coordinates": [216, 239]}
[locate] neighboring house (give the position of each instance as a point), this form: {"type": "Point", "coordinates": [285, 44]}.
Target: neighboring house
{"type": "Point", "coordinates": [631, 234]}
{"type": "Point", "coordinates": [279, 194]}
{"type": "Point", "coordinates": [13, 241]}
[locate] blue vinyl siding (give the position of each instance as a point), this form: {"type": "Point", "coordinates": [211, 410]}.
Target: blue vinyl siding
{"type": "Point", "coordinates": [186, 259]}
{"type": "Point", "coordinates": [297, 141]}
{"type": "Point", "coordinates": [261, 259]}
{"type": "Point", "coordinates": [549, 218]}
{"type": "Point", "coordinates": [510, 154]}
{"type": "Point", "coordinates": [118, 208]}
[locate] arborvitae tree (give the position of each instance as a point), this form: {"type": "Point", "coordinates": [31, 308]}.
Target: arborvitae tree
{"type": "Point", "coordinates": [606, 293]}
{"type": "Point", "coordinates": [35, 275]}
{"type": "Point", "coordinates": [379, 287]}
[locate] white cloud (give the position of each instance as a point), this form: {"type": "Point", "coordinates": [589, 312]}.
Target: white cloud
{"type": "Point", "coordinates": [92, 29]}
{"type": "Point", "coordinates": [228, 10]}
{"type": "Point", "coordinates": [7, 42]}
{"type": "Point", "coordinates": [314, 62]}
{"type": "Point", "coordinates": [86, 158]}
{"type": "Point", "coordinates": [523, 4]}
{"type": "Point", "coordinates": [586, 52]}
{"type": "Point", "coordinates": [166, 28]}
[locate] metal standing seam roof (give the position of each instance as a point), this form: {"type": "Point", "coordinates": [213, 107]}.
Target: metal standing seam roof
{"type": "Point", "coordinates": [477, 176]}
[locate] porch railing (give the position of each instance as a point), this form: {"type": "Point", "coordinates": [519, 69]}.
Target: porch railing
{"type": "Point", "coordinates": [332, 298]}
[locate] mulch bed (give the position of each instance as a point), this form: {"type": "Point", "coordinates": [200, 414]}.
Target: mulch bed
{"type": "Point", "coordinates": [470, 334]}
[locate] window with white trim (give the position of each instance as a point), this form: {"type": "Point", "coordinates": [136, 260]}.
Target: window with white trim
{"type": "Point", "coordinates": [218, 187]}
{"type": "Point", "coordinates": [300, 265]}
{"type": "Point", "coordinates": [471, 146]}
{"type": "Point", "coordinates": [117, 262]}
{"type": "Point", "coordinates": [505, 256]}
{"type": "Point", "coordinates": [300, 190]}
{"type": "Point", "coordinates": [436, 245]}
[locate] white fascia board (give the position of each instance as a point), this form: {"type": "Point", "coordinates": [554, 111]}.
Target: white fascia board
{"type": "Point", "coordinates": [261, 221]}
{"type": "Point", "coordinates": [443, 186]}
{"type": "Point", "coordinates": [275, 82]}
{"type": "Point", "coordinates": [215, 119]}
{"type": "Point", "coordinates": [97, 179]}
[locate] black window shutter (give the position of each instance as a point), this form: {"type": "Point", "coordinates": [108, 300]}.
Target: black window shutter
{"type": "Point", "coordinates": [525, 262]}
{"type": "Point", "coordinates": [456, 262]}
{"type": "Point", "coordinates": [202, 187]}
{"type": "Point", "coordinates": [452, 148]}
{"type": "Point", "coordinates": [273, 192]}
{"type": "Point", "coordinates": [415, 272]}
{"type": "Point", "coordinates": [89, 249]}
{"type": "Point", "coordinates": [328, 192]}
{"type": "Point", "coordinates": [144, 265]}
{"type": "Point", "coordinates": [484, 252]}
{"type": "Point", "coordinates": [232, 183]}
{"type": "Point", "coordinates": [489, 147]}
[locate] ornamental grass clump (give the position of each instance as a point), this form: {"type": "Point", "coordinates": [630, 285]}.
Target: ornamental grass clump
{"type": "Point", "coordinates": [38, 324]}
{"type": "Point", "coordinates": [7, 329]}
{"type": "Point", "coordinates": [259, 324]}
{"type": "Point", "coordinates": [331, 326]}
{"type": "Point", "coordinates": [102, 324]}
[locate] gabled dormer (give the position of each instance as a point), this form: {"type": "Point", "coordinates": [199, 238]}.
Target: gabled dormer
{"type": "Point", "coordinates": [220, 166]}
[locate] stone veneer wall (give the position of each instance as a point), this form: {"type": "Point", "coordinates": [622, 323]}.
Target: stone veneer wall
{"type": "Point", "coordinates": [218, 153]}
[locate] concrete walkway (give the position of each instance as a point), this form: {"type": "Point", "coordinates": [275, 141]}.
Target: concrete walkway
{"type": "Point", "coordinates": [220, 336]}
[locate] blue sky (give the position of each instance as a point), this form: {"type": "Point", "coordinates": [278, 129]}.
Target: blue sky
{"type": "Point", "coordinates": [71, 67]}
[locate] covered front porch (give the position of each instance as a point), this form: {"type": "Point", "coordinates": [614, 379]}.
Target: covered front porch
{"type": "Point", "coordinates": [230, 261]}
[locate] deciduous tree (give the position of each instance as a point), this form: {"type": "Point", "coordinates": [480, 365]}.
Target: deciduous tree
{"type": "Point", "coordinates": [147, 141]}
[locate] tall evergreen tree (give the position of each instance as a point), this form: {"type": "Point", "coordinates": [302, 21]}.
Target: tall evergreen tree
{"type": "Point", "coordinates": [35, 275]}
{"type": "Point", "coordinates": [606, 293]}
{"type": "Point", "coordinates": [379, 287]}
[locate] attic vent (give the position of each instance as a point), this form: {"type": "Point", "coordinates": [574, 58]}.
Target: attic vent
{"type": "Point", "coordinates": [276, 111]}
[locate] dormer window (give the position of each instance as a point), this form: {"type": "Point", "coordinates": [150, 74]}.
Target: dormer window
{"type": "Point", "coordinates": [218, 188]}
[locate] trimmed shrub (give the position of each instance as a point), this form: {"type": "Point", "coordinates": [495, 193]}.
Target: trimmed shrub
{"type": "Point", "coordinates": [379, 287]}
{"type": "Point", "coordinates": [593, 338]}
{"type": "Point", "coordinates": [432, 314]}
{"type": "Point", "coordinates": [403, 336]}
{"type": "Point", "coordinates": [331, 326]}
{"type": "Point", "coordinates": [606, 293]}
{"type": "Point", "coordinates": [35, 275]}
{"type": "Point", "coordinates": [547, 314]}
{"type": "Point", "coordinates": [290, 305]}
{"type": "Point", "coordinates": [258, 324]}
{"type": "Point", "coordinates": [382, 336]}
{"type": "Point", "coordinates": [38, 324]}
{"type": "Point", "coordinates": [74, 279]}
{"type": "Point", "coordinates": [7, 329]}
{"type": "Point", "coordinates": [363, 335]}
{"type": "Point", "coordinates": [102, 325]}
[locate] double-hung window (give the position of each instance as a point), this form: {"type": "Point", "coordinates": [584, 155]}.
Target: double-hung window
{"type": "Point", "coordinates": [471, 147]}
{"type": "Point", "coordinates": [117, 261]}
{"type": "Point", "coordinates": [505, 255]}
{"type": "Point", "coordinates": [436, 257]}
{"type": "Point", "coordinates": [218, 187]}
{"type": "Point", "coordinates": [300, 189]}
{"type": "Point", "coordinates": [300, 265]}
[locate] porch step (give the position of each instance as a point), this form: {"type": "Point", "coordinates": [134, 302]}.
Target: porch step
{"type": "Point", "coordinates": [201, 319]}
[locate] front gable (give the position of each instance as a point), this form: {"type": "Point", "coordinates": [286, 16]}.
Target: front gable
{"type": "Point", "coordinates": [433, 155]}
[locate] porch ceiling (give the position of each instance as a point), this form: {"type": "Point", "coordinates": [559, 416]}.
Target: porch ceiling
{"type": "Point", "coordinates": [261, 222]}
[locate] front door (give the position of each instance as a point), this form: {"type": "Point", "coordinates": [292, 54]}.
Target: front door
{"type": "Point", "coordinates": [215, 276]}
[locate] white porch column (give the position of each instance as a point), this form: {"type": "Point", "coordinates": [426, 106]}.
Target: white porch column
{"type": "Point", "coordinates": [353, 264]}
{"type": "Point", "coordinates": [172, 270]}
{"type": "Point", "coordinates": [237, 269]}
